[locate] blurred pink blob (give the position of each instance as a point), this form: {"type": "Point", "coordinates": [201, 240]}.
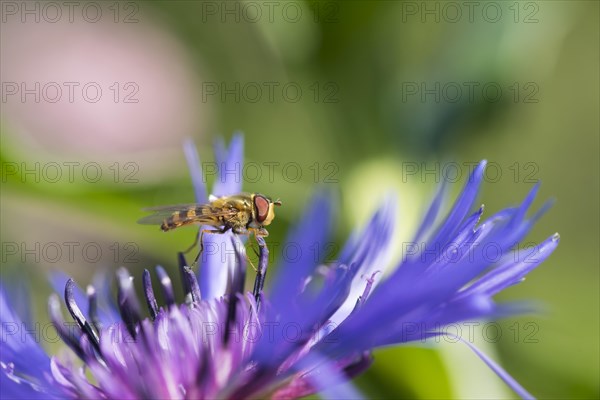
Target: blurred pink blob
{"type": "Point", "coordinates": [103, 89]}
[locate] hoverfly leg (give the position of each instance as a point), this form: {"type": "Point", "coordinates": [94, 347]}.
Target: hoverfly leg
{"type": "Point", "coordinates": [201, 239]}
{"type": "Point", "coordinates": [246, 231]}
{"type": "Point", "coordinates": [193, 244]}
{"type": "Point", "coordinates": [259, 274]}
{"type": "Point", "coordinates": [251, 264]}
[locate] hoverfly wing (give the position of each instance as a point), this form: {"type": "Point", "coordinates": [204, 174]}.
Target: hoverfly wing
{"type": "Point", "coordinates": [155, 219]}
{"type": "Point", "coordinates": [174, 207]}
{"type": "Point", "coordinates": [170, 217]}
{"type": "Point", "coordinates": [163, 213]}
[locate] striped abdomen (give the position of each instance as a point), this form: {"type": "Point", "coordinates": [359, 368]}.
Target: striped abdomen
{"type": "Point", "coordinates": [200, 215]}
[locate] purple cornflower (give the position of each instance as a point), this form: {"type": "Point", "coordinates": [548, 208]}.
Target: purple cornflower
{"type": "Point", "coordinates": [313, 329]}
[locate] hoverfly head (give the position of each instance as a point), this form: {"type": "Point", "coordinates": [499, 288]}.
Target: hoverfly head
{"type": "Point", "coordinates": [263, 209]}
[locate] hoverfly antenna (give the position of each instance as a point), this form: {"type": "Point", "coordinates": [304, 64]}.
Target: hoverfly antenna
{"type": "Point", "coordinates": [277, 202]}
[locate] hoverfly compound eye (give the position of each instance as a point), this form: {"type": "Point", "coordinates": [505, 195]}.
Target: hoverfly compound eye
{"type": "Point", "coordinates": [261, 204]}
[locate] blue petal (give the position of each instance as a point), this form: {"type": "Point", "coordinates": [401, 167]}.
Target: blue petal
{"type": "Point", "coordinates": [219, 258]}
{"type": "Point", "coordinates": [407, 286]}
{"type": "Point", "coordinates": [217, 263]}
{"type": "Point", "coordinates": [287, 307]}
{"type": "Point", "coordinates": [19, 293]}
{"type": "Point", "coordinates": [193, 161]}
{"type": "Point", "coordinates": [500, 278]}
{"type": "Point", "coordinates": [369, 248]}
{"type": "Point", "coordinates": [413, 264]}
{"type": "Point", "coordinates": [229, 165]}
{"type": "Point", "coordinates": [520, 214]}
{"type": "Point", "coordinates": [18, 346]}
{"type": "Point", "coordinates": [410, 295]}
{"type": "Point", "coordinates": [20, 388]}
{"type": "Point", "coordinates": [502, 374]}
{"type": "Point", "coordinates": [432, 212]}
{"type": "Point", "coordinates": [462, 206]}
{"type": "Point", "coordinates": [459, 247]}
{"type": "Point", "coordinates": [311, 233]}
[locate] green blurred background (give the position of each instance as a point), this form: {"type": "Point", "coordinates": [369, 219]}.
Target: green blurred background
{"type": "Point", "coordinates": [354, 95]}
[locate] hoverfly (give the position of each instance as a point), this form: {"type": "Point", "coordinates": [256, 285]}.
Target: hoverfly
{"type": "Point", "coordinates": [243, 214]}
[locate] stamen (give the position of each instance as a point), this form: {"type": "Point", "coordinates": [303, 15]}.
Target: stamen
{"type": "Point", "coordinates": [78, 315]}
{"type": "Point", "coordinates": [93, 307]}
{"type": "Point", "coordinates": [360, 365]}
{"type": "Point", "coordinates": [149, 293]}
{"type": "Point", "coordinates": [67, 335]}
{"type": "Point", "coordinates": [237, 286]}
{"type": "Point", "coordinates": [128, 305]}
{"type": "Point", "coordinates": [263, 263]}
{"type": "Point", "coordinates": [362, 298]}
{"type": "Point", "coordinates": [192, 283]}
{"type": "Point", "coordinates": [186, 285]}
{"type": "Point", "coordinates": [9, 372]}
{"type": "Point", "coordinates": [202, 377]}
{"type": "Point", "coordinates": [231, 317]}
{"type": "Point", "coordinates": [166, 285]}
{"type": "Point", "coordinates": [239, 275]}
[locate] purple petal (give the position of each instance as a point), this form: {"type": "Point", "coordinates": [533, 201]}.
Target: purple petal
{"type": "Point", "coordinates": [149, 295]}
{"type": "Point", "coordinates": [166, 286]}
{"type": "Point", "coordinates": [70, 337]}
{"type": "Point", "coordinates": [128, 301]}
{"type": "Point", "coordinates": [78, 316]}
{"type": "Point", "coordinates": [329, 381]}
